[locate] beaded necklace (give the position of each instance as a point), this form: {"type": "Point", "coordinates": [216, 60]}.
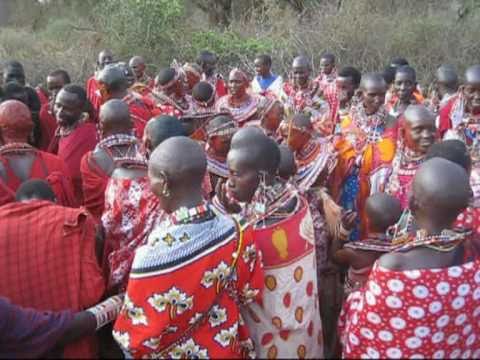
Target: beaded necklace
{"type": "Point", "coordinates": [268, 200]}
{"type": "Point", "coordinates": [446, 241]}
{"type": "Point", "coordinates": [405, 163]}
{"type": "Point", "coordinates": [186, 215]}
{"type": "Point", "coordinates": [16, 148]}
{"type": "Point", "coordinates": [129, 158]}
{"type": "Point", "coordinates": [371, 125]}
{"type": "Point", "coordinates": [375, 242]}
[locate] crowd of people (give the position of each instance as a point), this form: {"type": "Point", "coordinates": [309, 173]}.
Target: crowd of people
{"type": "Point", "coordinates": [192, 216]}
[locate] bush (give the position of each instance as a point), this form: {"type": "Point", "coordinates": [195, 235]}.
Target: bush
{"type": "Point", "coordinates": [363, 33]}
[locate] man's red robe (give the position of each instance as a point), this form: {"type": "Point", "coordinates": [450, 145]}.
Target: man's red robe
{"type": "Point", "coordinates": [45, 166]}
{"type": "Point", "coordinates": [93, 93]}
{"type": "Point", "coordinates": [48, 261]}
{"type": "Point", "coordinates": [48, 125]}
{"type": "Point", "coordinates": [94, 184]}
{"type": "Point", "coordinates": [71, 149]}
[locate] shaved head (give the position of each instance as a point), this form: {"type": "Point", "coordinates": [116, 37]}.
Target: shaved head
{"type": "Point", "coordinates": [472, 75]}
{"type": "Point", "coordinates": [416, 113]}
{"type": "Point", "coordinates": [256, 149]}
{"type": "Point", "coordinates": [441, 190]}
{"type": "Point", "coordinates": [114, 77]}
{"type": "Point", "coordinates": [136, 61]}
{"type": "Point", "coordinates": [182, 160]}
{"type": "Point", "coordinates": [35, 189]}
{"type": "Point", "coordinates": [15, 121]}
{"type": "Point", "coordinates": [447, 74]}
{"type": "Point", "coordinates": [302, 121]}
{"type": "Point", "coordinates": [287, 167]}
{"type": "Point", "coordinates": [245, 136]}
{"type": "Point", "coordinates": [115, 117]}
{"type": "Point", "coordinates": [301, 61]}
{"type": "Point", "coordinates": [383, 211]}
{"type": "Point", "coordinates": [407, 71]}
{"type": "Point", "coordinates": [161, 128]}
{"type": "Point", "coordinates": [328, 56]}
{"type": "Point", "coordinates": [165, 76]}
{"type": "Point", "coordinates": [373, 81]}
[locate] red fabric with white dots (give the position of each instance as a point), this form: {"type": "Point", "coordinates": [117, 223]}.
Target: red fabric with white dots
{"type": "Point", "coordinates": [428, 313]}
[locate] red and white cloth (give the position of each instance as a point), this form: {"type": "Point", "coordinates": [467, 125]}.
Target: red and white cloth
{"type": "Point", "coordinates": [428, 313]}
{"type": "Point", "coordinates": [131, 212]}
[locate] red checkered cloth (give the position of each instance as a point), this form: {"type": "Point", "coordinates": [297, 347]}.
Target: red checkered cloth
{"type": "Point", "coordinates": [48, 260]}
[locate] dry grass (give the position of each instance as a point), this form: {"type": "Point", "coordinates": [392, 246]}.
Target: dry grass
{"type": "Point", "coordinates": [363, 33]}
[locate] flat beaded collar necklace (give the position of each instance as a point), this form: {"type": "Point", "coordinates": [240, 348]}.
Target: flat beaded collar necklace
{"type": "Point", "coordinates": [195, 214]}
{"type": "Point", "coordinates": [446, 241]}
{"type": "Point", "coordinates": [16, 148]}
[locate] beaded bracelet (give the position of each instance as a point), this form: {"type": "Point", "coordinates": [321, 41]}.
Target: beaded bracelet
{"type": "Point", "coordinates": [107, 311]}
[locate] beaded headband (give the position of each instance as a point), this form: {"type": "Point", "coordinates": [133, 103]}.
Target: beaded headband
{"type": "Point", "coordinates": [228, 128]}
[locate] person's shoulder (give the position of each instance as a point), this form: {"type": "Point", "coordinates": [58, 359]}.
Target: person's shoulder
{"type": "Point", "coordinates": [391, 261]}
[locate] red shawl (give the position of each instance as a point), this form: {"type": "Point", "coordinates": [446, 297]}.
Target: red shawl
{"type": "Point", "coordinates": [48, 167]}
{"type": "Point", "coordinates": [48, 260]}
{"type": "Point", "coordinates": [48, 125]}
{"type": "Point", "coordinates": [94, 183]}
{"type": "Point", "coordinates": [140, 113]}
{"type": "Point", "coordinates": [71, 149]}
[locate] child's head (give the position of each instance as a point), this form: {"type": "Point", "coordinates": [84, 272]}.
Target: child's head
{"type": "Point", "coordinates": [287, 167]}
{"type": "Point", "coordinates": [382, 211]}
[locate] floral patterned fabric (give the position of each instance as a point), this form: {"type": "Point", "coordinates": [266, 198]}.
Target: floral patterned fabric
{"type": "Point", "coordinates": [184, 290]}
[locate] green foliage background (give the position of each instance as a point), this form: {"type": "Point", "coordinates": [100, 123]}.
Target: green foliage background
{"type": "Point", "coordinates": [364, 33]}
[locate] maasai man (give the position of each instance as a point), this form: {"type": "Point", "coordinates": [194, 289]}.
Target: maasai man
{"type": "Point", "coordinates": [270, 113]}
{"type": "Point", "coordinates": [13, 72]}
{"type": "Point", "coordinates": [75, 135]}
{"type": "Point", "coordinates": [265, 82]}
{"type": "Point", "coordinates": [143, 83]}
{"type": "Point", "coordinates": [460, 118]}
{"type": "Point", "coordinates": [168, 94]}
{"type": "Point", "coordinates": [340, 94]}
{"type": "Point", "coordinates": [360, 129]}
{"type": "Point", "coordinates": [391, 164]}
{"type": "Point", "coordinates": [304, 96]}
{"type": "Point", "coordinates": [105, 57]}
{"type": "Point", "coordinates": [404, 88]}
{"type": "Point", "coordinates": [28, 333]}
{"type": "Point", "coordinates": [131, 209]}
{"type": "Point", "coordinates": [59, 243]}
{"type": "Point", "coordinates": [117, 144]}
{"type": "Point", "coordinates": [220, 131]}
{"type": "Point", "coordinates": [287, 322]}
{"type": "Point", "coordinates": [238, 102]}
{"type": "Point", "coordinates": [189, 308]}
{"type": "Point", "coordinates": [19, 161]}
{"type": "Point", "coordinates": [16, 91]}
{"type": "Point", "coordinates": [56, 80]}
{"type": "Point", "coordinates": [443, 89]}
{"type": "Point", "coordinates": [192, 74]}
{"type": "Point", "coordinates": [208, 62]}
{"type": "Point", "coordinates": [328, 72]}
{"type": "Point", "coordinates": [421, 301]}
{"type": "Point", "coordinates": [113, 84]}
